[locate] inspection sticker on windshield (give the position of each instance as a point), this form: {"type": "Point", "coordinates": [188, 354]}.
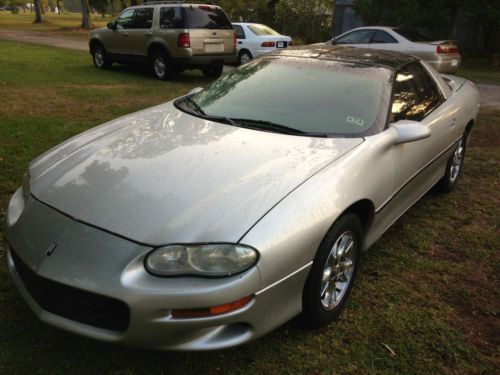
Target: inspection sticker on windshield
{"type": "Point", "coordinates": [355, 121]}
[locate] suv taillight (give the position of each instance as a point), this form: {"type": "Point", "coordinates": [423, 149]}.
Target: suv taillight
{"type": "Point", "coordinates": [183, 40]}
{"type": "Point", "coordinates": [446, 48]}
{"type": "Point", "coordinates": [267, 44]}
{"type": "Point", "coordinates": [235, 41]}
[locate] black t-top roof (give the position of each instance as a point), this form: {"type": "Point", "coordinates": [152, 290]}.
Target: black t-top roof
{"type": "Point", "coordinates": [389, 59]}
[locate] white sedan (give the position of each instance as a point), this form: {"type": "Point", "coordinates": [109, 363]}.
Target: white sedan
{"type": "Point", "coordinates": [443, 55]}
{"type": "Point", "coordinates": [255, 40]}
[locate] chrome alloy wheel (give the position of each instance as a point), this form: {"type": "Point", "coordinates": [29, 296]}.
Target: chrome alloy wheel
{"type": "Point", "coordinates": [338, 271]}
{"type": "Point", "coordinates": [99, 58]}
{"type": "Point", "coordinates": [160, 67]}
{"type": "Point", "coordinates": [457, 160]}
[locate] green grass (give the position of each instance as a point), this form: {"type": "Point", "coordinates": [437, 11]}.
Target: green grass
{"type": "Point", "coordinates": [428, 289]}
{"type": "Point", "coordinates": [479, 69]}
{"type": "Point", "coordinates": [67, 24]}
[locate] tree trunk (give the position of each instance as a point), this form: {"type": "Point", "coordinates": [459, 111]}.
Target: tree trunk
{"type": "Point", "coordinates": [111, 10]}
{"type": "Point", "coordinates": [133, 2]}
{"type": "Point", "coordinates": [38, 11]}
{"type": "Point", "coordinates": [85, 14]}
{"type": "Point", "coordinates": [58, 7]}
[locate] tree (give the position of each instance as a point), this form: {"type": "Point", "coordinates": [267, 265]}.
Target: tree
{"type": "Point", "coordinates": [100, 5]}
{"type": "Point", "coordinates": [310, 21]}
{"type": "Point", "coordinates": [38, 11]}
{"type": "Point", "coordinates": [487, 15]}
{"type": "Point", "coordinates": [85, 14]}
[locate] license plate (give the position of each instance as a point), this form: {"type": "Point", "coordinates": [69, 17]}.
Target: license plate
{"type": "Point", "coordinates": [454, 62]}
{"type": "Point", "coordinates": [214, 47]}
{"type": "Point", "coordinates": [280, 45]}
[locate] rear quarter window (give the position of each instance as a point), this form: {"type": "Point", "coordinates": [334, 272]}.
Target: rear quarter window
{"type": "Point", "coordinates": [206, 17]}
{"type": "Point", "coordinates": [172, 18]}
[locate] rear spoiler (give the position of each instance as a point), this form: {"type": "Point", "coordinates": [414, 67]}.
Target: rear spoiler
{"type": "Point", "coordinates": [455, 83]}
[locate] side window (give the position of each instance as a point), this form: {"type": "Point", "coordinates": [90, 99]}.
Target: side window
{"type": "Point", "coordinates": [356, 37]}
{"type": "Point", "coordinates": [143, 18]}
{"type": "Point", "coordinates": [383, 37]}
{"type": "Point", "coordinates": [125, 20]}
{"type": "Point", "coordinates": [172, 18]}
{"type": "Point", "coordinates": [415, 93]}
{"type": "Point", "coordinates": [240, 33]}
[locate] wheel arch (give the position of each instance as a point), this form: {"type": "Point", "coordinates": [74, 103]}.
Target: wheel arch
{"type": "Point", "coordinates": [469, 126]}
{"type": "Point", "coordinates": [157, 46]}
{"type": "Point", "coordinates": [95, 42]}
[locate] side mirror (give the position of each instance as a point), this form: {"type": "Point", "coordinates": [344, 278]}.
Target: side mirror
{"type": "Point", "coordinates": [196, 90]}
{"type": "Point", "coordinates": [410, 131]}
{"type": "Point", "coordinates": [333, 42]}
{"type": "Point", "coordinates": [111, 25]}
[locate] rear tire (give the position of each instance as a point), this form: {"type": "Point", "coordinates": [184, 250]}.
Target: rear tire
{"type": "Point", "coordinates": [333, 271]}
{"type": "Point", "coordinates": [161, 65]}
{"type": "Point", "coordinates": [99, 57]}
{"type": "Point", "coordinates": [213, 71]}
{"type": "Point", "coordinates": [244, 57]}
{"type": "Point", "coordinates": [453, 167]}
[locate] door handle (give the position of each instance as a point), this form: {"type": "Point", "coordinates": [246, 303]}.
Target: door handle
{"type": "Point", "coordinates": [240, 42]}
{"type": "Point", "coordinates": [149, 33]}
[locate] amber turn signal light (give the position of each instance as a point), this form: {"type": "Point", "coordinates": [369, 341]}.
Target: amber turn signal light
{"type": "Point", "coordinates": [211, 311]}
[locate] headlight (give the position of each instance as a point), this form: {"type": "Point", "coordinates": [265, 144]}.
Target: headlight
{"type": "Point", "coordinates": [206, 260]}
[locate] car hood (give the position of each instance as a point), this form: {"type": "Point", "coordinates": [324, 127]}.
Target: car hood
{"type": "Point", "coordinates": [163, 176]}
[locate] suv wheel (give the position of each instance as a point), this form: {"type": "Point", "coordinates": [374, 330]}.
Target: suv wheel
{"type": "Point", "coordinates": [162, 68]}
{"type": "Point", "coordinates": [101, 61]}
{"type": "Point", "coordinates": [213, 71]}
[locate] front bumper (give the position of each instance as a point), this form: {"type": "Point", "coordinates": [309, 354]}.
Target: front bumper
{"type": "Point", "coordinates": [95, 262]}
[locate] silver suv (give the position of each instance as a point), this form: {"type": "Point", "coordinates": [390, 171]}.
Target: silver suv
{"type": "Point", "coordinates": [170, 35]}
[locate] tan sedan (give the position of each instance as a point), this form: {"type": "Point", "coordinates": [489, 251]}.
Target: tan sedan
{"type": "Point", "coordinates": [443, 55]}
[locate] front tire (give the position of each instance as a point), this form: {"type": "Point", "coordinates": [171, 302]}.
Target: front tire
{"type": "Point", "coordinates": [213, 71]}
{"type": "Point", "coordinates": [453, 167]}
{"type": "Point", "coordinates": [99, 57]}
{"type": "Point", "coordinates": [332, 274]}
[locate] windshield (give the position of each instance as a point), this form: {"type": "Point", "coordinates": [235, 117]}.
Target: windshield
{"type": "Point", "coordinates": [412, 35]}
{"type": "Point", "coordinates": [299, 96]}
{"type": "Point", "coordinates": [262, 30]}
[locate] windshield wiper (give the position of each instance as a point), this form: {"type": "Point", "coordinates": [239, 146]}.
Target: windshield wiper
{"type": "Point", "coordinates": [267, 125]}
{"type": "Point", "coordinates": [201, 113]}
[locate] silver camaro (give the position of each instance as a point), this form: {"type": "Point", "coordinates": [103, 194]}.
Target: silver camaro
{"type": "Point", "coordinates": [208, 221]}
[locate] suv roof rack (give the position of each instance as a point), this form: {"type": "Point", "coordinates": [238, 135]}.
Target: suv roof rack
{"type": "Point", "coordinates": [177, 2]}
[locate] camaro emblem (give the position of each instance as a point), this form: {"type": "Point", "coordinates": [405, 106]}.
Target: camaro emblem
{"type": "Point", "coordinates": [51, 249]}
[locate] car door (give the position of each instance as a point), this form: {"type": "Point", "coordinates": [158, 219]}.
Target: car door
{"type": "Point", "coordinates": [118, 41]}
{"type": "Point", "coordinates": [382, 40]}
{"type": "Point", "coordinates": [418, 165]}
{"type": "Point", "coordinates": [357, 38]}
{"type": "Point", "coordinates": [141, 32]}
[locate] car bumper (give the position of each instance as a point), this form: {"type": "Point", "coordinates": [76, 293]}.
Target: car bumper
{"type": "Point", "coordinates": [88, 260]}
{"type": "Point", "coordinates": [447, 64]}
{"type": "Point", "coordinates": [204, 60]}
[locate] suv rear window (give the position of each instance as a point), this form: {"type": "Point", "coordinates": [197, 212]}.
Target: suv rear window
{"type": "Point", "coordinates": [206, 17]}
